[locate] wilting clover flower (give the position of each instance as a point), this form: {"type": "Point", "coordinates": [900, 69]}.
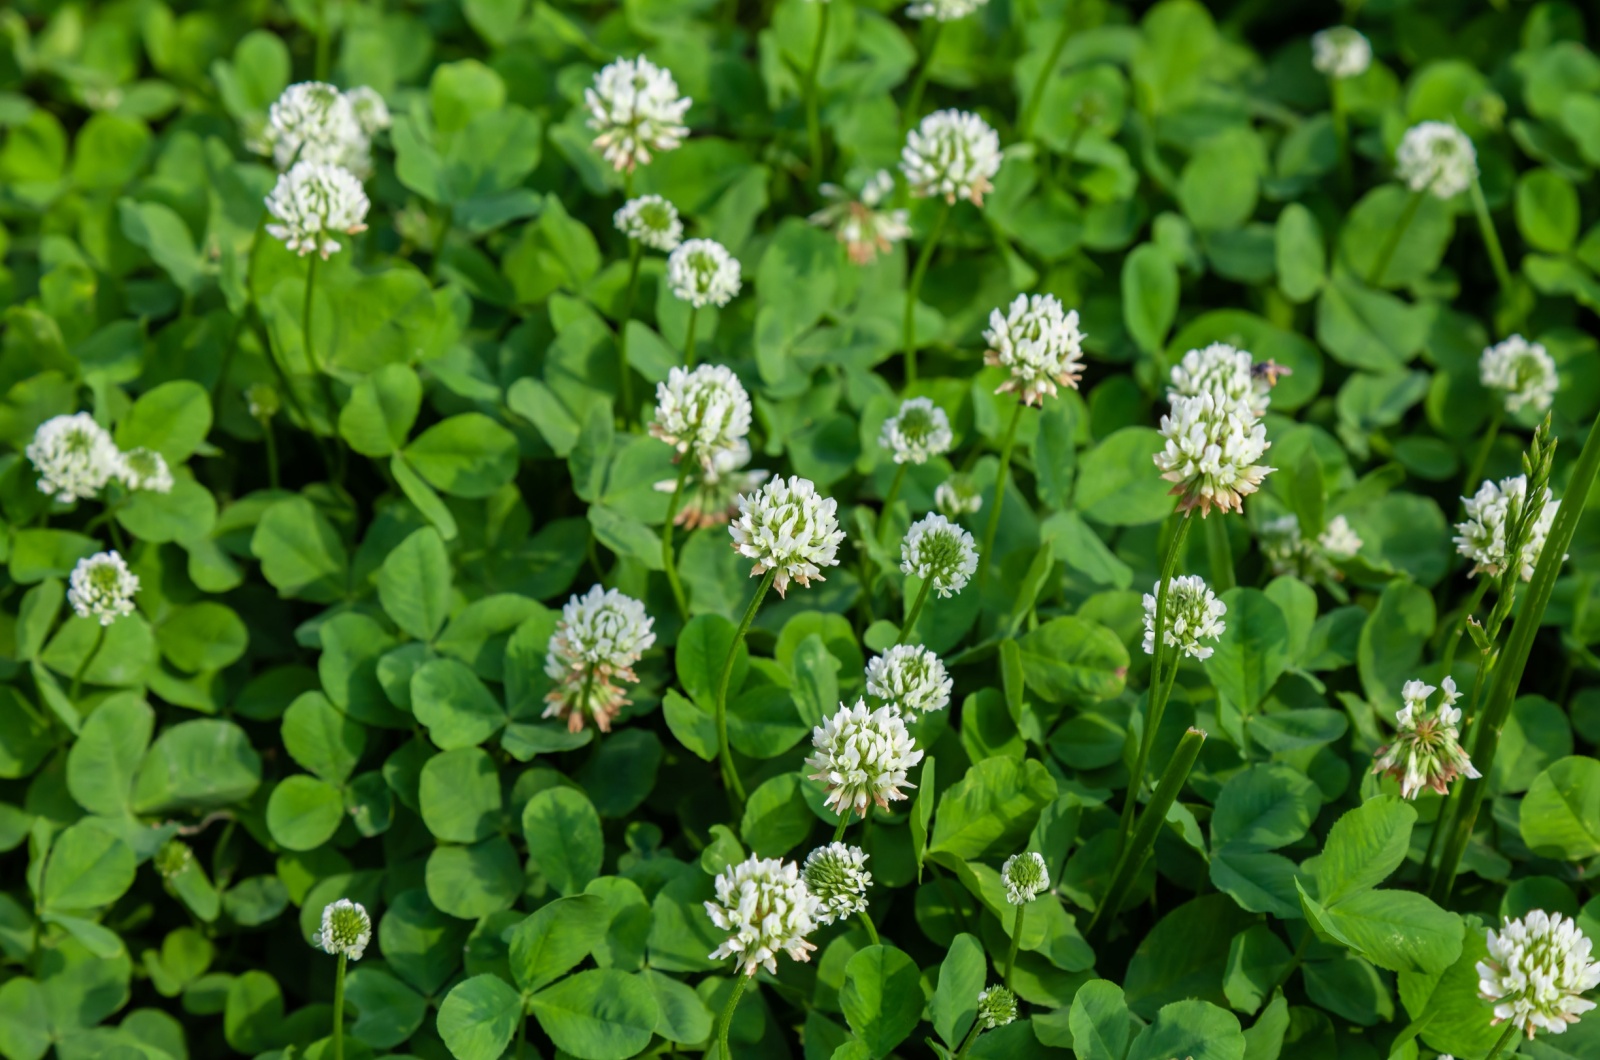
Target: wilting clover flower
{"type": "Point", "coordinates": [1212, 454]}
{"type": "Point", "coordinates": [953, 154]}
{"type": "Point", "coordinates": [1437, 158]}
{"type": "Point", "coordinates": [862, 756]}
{"type": "Point", "coordinates": [918, 432]}
{"type": "Point", "coordinates": [768, 909]}
{"type": "Point", "coordinates": [702, 413]}
{"type": "Point", "coordinates": [861, 224]}
{"type": "Point", "coordinates": [346, 929]}
{"type": "Point", "coordinates": [315, 122]}
{"type": "Point", "coordinates": [600, 636]}
{"type": "Point", "coordinates": [943, 10]}
{"type": "Point", "coordinates": [1193, 614]}
{"type": "Point", "coordinates": [1039, 343]}
{"type": "Point", "coordinates": [635, 109]}
{"type": "Point", "coordinates": [74, 457]}
{"type": "Point", "coordinates": [144, 469]}
{"type": "Point", "coordinates": [940, 553]}
{"type": "Point", "coordinates": [1340, 52]}
{"type": "Point", "coordinates": [787, 527]}
{"type": "Point", "coordinates": [313, 202]}
{"type": "Point", "coordinates": [1025, 875]}
{"type": "Point", "coordinates": [1481, 537]}
{"type": "Point", "coordinates": [911, 679]}
{"type": "Point", "coordinates": [102, 587]}
{"type": "Point", "coordinates": [837, 875]}
{"type": "Point", "coordinates": [1426, 752]}
{"type": "Point", "coordinates": [957, 496]}
{"type": "Point", "coordinates": [702, 272]}
{"type": "Point", "coordinates": [997, 1007]}
{"type": "Point", "coordinates": [711, 494]}
{"type": "Point", "coordinates": [370, 109]}
{"type": "Point", "coordinates": [1523, 372]}
{"type": "Point", "coordinates": [1289, 552]}
{"type": "Point", "coordinates": [1538, 970]}
{"type": "Point", "coordinates": [651, 220]}
{"type": "Point", "coordinates": [1228, 373]}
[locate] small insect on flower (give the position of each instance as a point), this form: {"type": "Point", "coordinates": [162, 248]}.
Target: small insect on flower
{"type": "Point", "coordinates": [939, 552]}
{"type": "Point", "coordinates": [768, 909]}
{"type": "Point", "coordinates": [1481, 536]}
{"type": "Point", "coordinates": [943, 10]}
{"type": "Point", "coordinates": [1426, 752]}
{"type": "Point", "coordinates": [1436, 158]}
{"type": "Point", "coordinates": [861, 224]}
{"type": "Point", "coordinates": [787, 527]}
{"type": "Point", "coordinates": [957, 496]}
{"type": "Point", "coordinates": [74, 457]}
{"type": "Point", "coordinates": [635, 109]}
{"type": "Point", "coordinates": [1231, 375]}
{"type": "Point", "coordinates": [953, 154]}
{"type": "Point", "coordinates": [917, 433]}
{"type": "Point", "coordinates": [862, 756]}
{"type": "Point", "coordinates": [703, 413]}
{"type": "Point", "coordinates": [650, 220]}
{"type": "Point", "coordinates": [1538, 970]}
{"type": "Point", "coordinates": [102, 587]}
{"type": "Point", "coordinates": [702, 272]}
{"type": "Point", "coordinates": [313, 121]}
{"type": "Point", "coordinates": [1194, 614]}
{"type": "Point", "coordinates": [1212, 453]}
{"type": "Point", "coordinates": [1523, 372]}
{"type": "Point", "coordinates": [997, 1007]}
{"type": "Point", "coordinates": [1039, 342]}
{"type": "Point", "coordinates": [837, 874]}
{"type": "Point", "coordinates": [911, 679]}
{"type": "Point", "coordinates": [144, 469]}
{"type": "Point", "coordinates": [1340, 52]}
{"type": "Point", "coordinates": [313, 202]}
{"type": "Point", "coordinates": [1025, 876]}
{"type": "Point", "coordinates": [346, 929]}
{"type": "Point", "coordinates": [600, 636]}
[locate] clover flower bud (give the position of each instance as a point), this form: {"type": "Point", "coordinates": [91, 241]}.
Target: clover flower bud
{"type": "Point", "coordinates": [1340, 52]}
{"type": "Point", "coordinates": [768, 909]}
{"type": "Point", "coordinates": [650, 220]}
{"type": "Point", "coordinates": [1025, 875]}
{"type": "Point", "coordinates": [957, 496]}
{"type": "Point", "coordinates": [102, 587]}
{"type": "Point", "coordinates": [940, 552]}
{"type": "Point", "coordinates": [1194, 614]}
{"type": "Point", "coordinates": [346, 929]}
{"type": "Point", "coordinates": [917, 433]}
{"type": "Point", "coordinates": [997, 1007]}
{"type": "Point", "coordinates": [144, 469]}
{"type": "Point", "coordinates": [837, 875]}
{"type": "Point", "coordinates": [862, 756]}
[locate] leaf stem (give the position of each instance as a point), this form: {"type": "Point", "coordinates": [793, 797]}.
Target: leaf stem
{"type": "Point", "coordinates": [730, 775]}
{"type": "Point", "coordinates": [914, 291]}
{"type": "Point", "coordinates": [1000, 475]}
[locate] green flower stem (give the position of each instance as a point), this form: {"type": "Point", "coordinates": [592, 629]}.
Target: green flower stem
{"type": "Point", "coordinates": [885, 517]}
{"type": "Point", "coordinates": [1513, 661]}
{"type": "Point", "coordinates": [338, 1009]}
{"type": "Point", "coordinates": [1016, 942]}
{"type": "Point", "coordinates": [844, 821]}
{"type": "Point", "coordinates": [323, 381]}
{"type": "Point", "coordinates": [1220, 554]}
{"type": "Point", "coordinates": [1036, 98]}
{"type": "Point", "coordinates": [324, 40]}
{"type": "Point", "coordinates": [972, 1036]}
{"type": "Point", "coordinates": [730, 775]}
{"type": "Point", "coordinates": [1505, 1039]}
{"type": "Point", "coordinates": [271, 440]}
{"type": "Point", "coordinates": [916, 611]}
{"type": "Point", "coordinates": [727, 1015]}
{"type": "Point", "coordinates": [1460, 627]}
{"type": "Point", "coordinates": [625, 377]}
{"type": "Point", "coordinates": [83, 666]}
{"type": "Point", "coordinates": [920, 83]}
{"type": "Point", "coordinates": [1480, 459]}
{"type": "Point", "coordinates": [668, 561]}
{"type": "Point", "coordinates": [914, 290]}
{"type": "Point", "coordinates": [872, 929]}
{"type": "Point", "coordinates": [1131, 860]}
{"type": "Point", "coordinates": [813, 123]}
{"type": "Point", "coordinates": [1000, 476]}
{"type": "Point", "coordinates": [1491, 239]}
{"type": "Point", "coordinates": [688, 337]}
{"type": "Point", "coordinates": [1341, 133]}
{"type": "Point", "coordinates": [1390, 245]}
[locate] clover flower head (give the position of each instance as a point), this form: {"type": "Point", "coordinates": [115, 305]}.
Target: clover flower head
{"type": "Point", "coordinates": [767, 908]}
{"type": "Point", "coordinates": [861, 223]}
{"type": "Point", "coordinates": [1338, 540]}
{"type": "Point", "coordinates": [1436, 157]}
{"type": "Point", "coordinates": [173, 858]}
{"type": "Point", "coordinates": [1289, 552]}
{"type": "Point", "coordinates": [1481, 537]}
{"type": "Point", "coordinates": [1340, 52]}
{"type": "Point", "coordinates": [1426, 752]}
{"type": "Point", "coordinates": [346, 929]}
{"type": "Point", "coordinates": [702, 272]}
{"type": "Point", "coordinates": [102, 587]}
{"type": "Point", "coordinates": [997, 1007]}
{"type": "Point", "coordinates": [315, 122]}
{"type": "Point", "coordinates": [600, 636]}
{"type": "Point", "coordinates": [1025, 875]}
{"type": "Point", "coordinates": [1538, 970]}
{"type": "Point", "coordinates": [711, 492]}
{"type": "Point", "coordinates": [1212, 453]}
{"type": "Point", "coordinates": [837, 874]}
{"type": "Point", "coordinates": [1194, 614]}
{"type": "Point", "coordinates": [917, 433]}
{"type": "Point", "coordinates": [911, 679]}
{"type": "Point", "coordinates": [144, 469]}
{"type": "Point", "coordinates": [652, 221]}
{"type": "Point", "coordinates": [313, 202]}
{"type": "Point", "coordinates": [74, 457]}
{"type": "Point", "coordinates": [942, 10]}
{"type": "Point", "coordinates": [1523, 372]}
{"type": "Point", "coordinates": [1228, 373]}
{"type": "Point", "coordinates": [703, 413]}
{"type": "Point", "coordinates": [957, 496]}
{"type": "Point", "coordinates": [634, 110]}
{"type": "Point", "coordinates": [939, 552]}
{"type": "Point", "coordinates": [262, 401]}
{"type": "Point", "coordinates": [953, 154]}
{"type": "Point", "coordinates": [862, 756]}
{"type": "Point", "coordinates": [788, 527]}
{"type": "Point", "coordinates": [372, 113]}
{"type": "Point", "coordinates": [1039, 343]}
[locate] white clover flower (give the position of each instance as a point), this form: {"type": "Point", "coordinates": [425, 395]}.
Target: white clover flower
{"type": "Point", "coordinates": [651, 220]}
{"type": "Point", "coordinates": [997, 1007]}
{"type": "Point", "coordinates": [911, 679]}
{"type": "Point", "coordinates": [769, 910]}
{"type": "Point", "coordinates": [953, 154]}
{"type": "Point", "coordinates": [74, 457]}
{"type": "Point", "coordinates": [372, 113]}
{"type": "Point", "coordinates": [1039, 343]}
{"type": "Point", "coordinates": [865, 230]}
{"type": "Point", "coordinates": [315, 122]}
{"type": "Point", "coordinates": [917, 433]}
{"type": "Point", "coordinates": [1025, 875]}
{"type": "Point", "coordinates": [939, 552]}
{"type": "Point", "coordinates": [703, 413]}
{"type": "Point", "coordinates": [702, 272]}
{"type": "Point", "coordinates": [102, 587]}
{"type": "Point", "coordinates": [1538, 970]}
{"type": "Point", "coordinates": [313, 202]}
{"type": "Point", "coordinates": [600, 636]}
{"type": "Point", "coordinates": [942, 10]}
{"type": "Point", "coordinates": [635, 109]}
{"type": "Point", "coordinates": [1426, 752]}
{"type": "Point", "coordinates": [862, 756]}
{"type": "Point", "coordinates": [837, 874]}
{"type": "Point", "coordinates": [711, 495]}
{"type": "Point", "coordinates": [1340, 52]}
{"type": "Point", "coordinates": [346, 929]}
{"type": "Point", "coordinates": [957, 496]}
{"type": "Point", "coordinates": [1481, 537]}
{"type": "Point", "coordinates": [1193, 614]}
{"type": "Point", "coordinates": [1437, 158]}
{"type": "Point", "coordinates": [1237, 381]}
{"type": "Point", "coordinates": [1212, 453]}
{"type": "Point", "coordinates": [1288, 552]}
{"type": "Point", "coordinates": [786, 526]}
{"type": "Point", "coordinates": [1338, 540]}
{"type": "Point", "coordinates": [1523, 372]}
{"type": "Point", "coordinates": [144, 469]}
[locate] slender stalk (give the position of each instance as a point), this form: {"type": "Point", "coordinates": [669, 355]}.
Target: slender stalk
{"type": "Point", "coordinates": [813, 122]}
{"type": "Point", "coordinates": [885, 519]}
{"type": "Point", "coordinates": [627, 183]}
{"type": "Point", "coordinates": [625, 380]}
{"type": "Point", "coordinates": [688, 337]}
{"type": "Point", "coordinates": [1016, 942]}
{"type": "Point", "coordinates": [324, 40]}
{"type": "Point", "coordinates": [1341, 134]}
{"type": "Point", "coordinates": [972, 1036]}
{"type": "Point", "coordinates": [1480, 459]}
{"type": "Point", "coordinates": [1000, 476]}
{"type": "Point", "coordinates": [914, 290]}
{"type": "Point", "coordinates": [1390, 245]}
{"type": "Point", "coordinates": [1030, 112]}
{"type": "Point", "coordinates": [916, 611]}
{"type": "Point", "coordinates": [311, 351]}
{"type": "Point", "coordinates": [1505, 1039]}
{"type": "Point", "coordinates": [920, 82]}
{"type": "Point", "coordinates": [83, 666]}
{"type": "Point", "coordinates": [1220, 554]}
{"type": "Point", "coordinates": [1491, 239]}
{"type": "Point", "coordinates": [1460, 627]}
{"type": "Point", "coordinates": [228, 353]}
{"type": "Point", "coordinates": [727, 1015]}
{"type": "Point", "coordinates": [271, 439]}
{"type": "Point", "coordinates": [872, 929]}
{"type": "Point", "coordinates": [844, 821]}
{"type": "Point", "coordinates": [338, 1009]}
{"type": "Point", "coordinates": [668, 561]}
{"type": "Point", "coordinates": [730, 775]}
